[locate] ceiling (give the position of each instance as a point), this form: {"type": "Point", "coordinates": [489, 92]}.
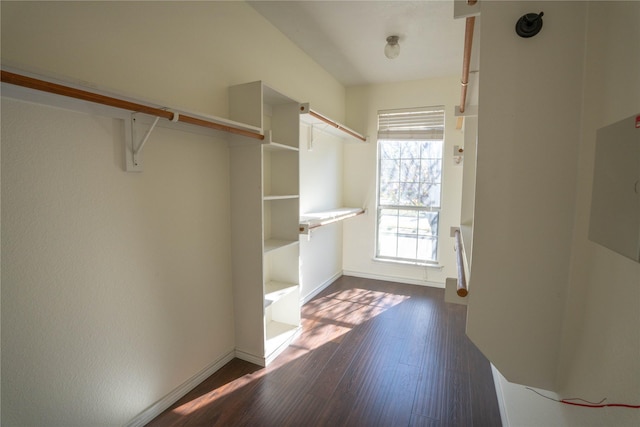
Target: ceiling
{"type": "Point", "coordinates": [347, 38]}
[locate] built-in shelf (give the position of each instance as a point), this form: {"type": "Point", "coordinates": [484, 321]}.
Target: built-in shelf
{"type": "Point", "coordinates": [312, 220]}
{"type": "Point", "coordinates": [273, 291]}
{"type": "Point", "coordinates": [278, 330]}
{"type": "Point", "coordinates": [278, 335]}
{"type": "Point", "coordinates": [275, 244]}
{"type": "Point", "coordinates": [281, 197]}
{"type": "Point", "coordinates": [325, 124]}
{"type": "Point", "coordinates": [46, 90]}
{"type": "Point", "coordinates": [266, 209]}
{"type": "Point", "coordinates": [269, 144]}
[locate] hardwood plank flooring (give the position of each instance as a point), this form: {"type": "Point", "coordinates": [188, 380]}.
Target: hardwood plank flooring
{"type": "Point", "coordinates": [371, 353]}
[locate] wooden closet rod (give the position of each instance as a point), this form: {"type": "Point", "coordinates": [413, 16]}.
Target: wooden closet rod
{"type": "Point", "coordinates": [337, 125]}
{"type": "Point", "coordinates": [462, 289]}
{"type": "Point", "coordinates": [466, 59]}
{"type": "Point", "coordinates": [42, 85]}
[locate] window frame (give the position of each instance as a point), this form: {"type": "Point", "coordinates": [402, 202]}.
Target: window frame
{"type": "Point", "coordinates": [424, 135]}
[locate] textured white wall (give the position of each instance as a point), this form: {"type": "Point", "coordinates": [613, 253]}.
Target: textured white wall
{"type": "Point", "coordinates": [113, 284]}
{"type": "Point", "coordinates": [527, 159]}
{"type": "Point", "coordinates": [603, 317]}
{"type": "Point", "coordinates": [116, 287]}
{"type": "Point", "coordinates": [363, 104]}
{"type": "Point", "coordinates": [600, 344]}
{"type": "Point", "coordinates": [320, 190]}
{"type": "Point", "coordinates": [184, 54]}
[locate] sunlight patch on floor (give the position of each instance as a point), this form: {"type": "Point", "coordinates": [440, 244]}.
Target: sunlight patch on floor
{"type": "Point", "coordinates": [346, 310]}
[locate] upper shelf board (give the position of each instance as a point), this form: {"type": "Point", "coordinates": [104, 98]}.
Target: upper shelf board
{"type": "Point", "coordinates": [309, 221]}
{"type": "Point", "coordinates": [71, 96]}
{"type": "Point", "coordinates": [325, 124]}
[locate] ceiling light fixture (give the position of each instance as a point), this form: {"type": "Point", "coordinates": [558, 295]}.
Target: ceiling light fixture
{"type": "Point", "coordinates": [392, 48]}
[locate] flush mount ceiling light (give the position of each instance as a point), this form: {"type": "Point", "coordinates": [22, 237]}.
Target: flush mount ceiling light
{"type": "Point", "coordinates": [392, 49]}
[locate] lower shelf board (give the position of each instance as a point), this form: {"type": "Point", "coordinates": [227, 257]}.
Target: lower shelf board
{"type": "Point", "coordinates": [273, 291]}
{"type": "Point", "coordinates": [273, 244]}
{"type": "Point", "coordinates": [278, 336]}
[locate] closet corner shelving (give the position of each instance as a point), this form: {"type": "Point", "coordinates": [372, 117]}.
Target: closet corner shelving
{"type": "Point", "coordinates": [316, 120]}
{"type": "Point", "coordinates": [265, 208]}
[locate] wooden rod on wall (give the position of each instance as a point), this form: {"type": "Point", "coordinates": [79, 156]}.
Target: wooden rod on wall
{"type": "Point", "coordinates": [58, 89]}
{"type": "Point", "coordinates": [462, 290]}
{"type": "Point", "coordinates": [466, 59]}
{"type": "Point", "coordinates": [336, 125]}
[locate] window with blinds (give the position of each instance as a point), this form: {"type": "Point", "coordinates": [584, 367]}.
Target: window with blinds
{"type": "Point", "coordinates": [410, 145]}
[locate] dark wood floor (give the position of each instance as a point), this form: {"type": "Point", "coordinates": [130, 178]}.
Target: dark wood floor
{"type": "Point", "coordinates": [371, 353]}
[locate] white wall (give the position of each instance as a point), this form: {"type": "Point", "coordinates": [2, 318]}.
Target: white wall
{"type": "Point", "coordinates": [320, 190]}
{"type": "Point", "coordinates": [110, 294]}
{"type": "Point", "coordinates": [527, 159]}
{"type": "Point", "coordinates": [116, 287]}
{"type": "Point", "coordinates": [603, 313]}
{"type": "Point", "coordinates": [600, 344]}
{"type": "Point", "coordinates": [363, 104]}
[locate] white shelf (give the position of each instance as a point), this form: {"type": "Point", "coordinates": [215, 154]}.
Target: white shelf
{"type": "Point", "coordinates": [269, 144]}
{"type": "Point", "coordinates": [275, 244]}
{"type": "Point", "coordinates": [313, 220]}
{"type": "Point", "coordinates": [325, 124]}
{"type": "Point", "coordinates": [278, 335]}
{"type": "Point", "coordinates": [273, 291]}
{"type": "Point", "coordinates": [281, 197]}
{"type": "Point", "coordinates": [80, 105]}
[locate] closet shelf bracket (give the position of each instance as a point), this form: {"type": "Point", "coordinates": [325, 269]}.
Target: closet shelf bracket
{"type": "Point", "coordinates": [311, 137]}
{"type": "Point", "coordinates": [133, 149]}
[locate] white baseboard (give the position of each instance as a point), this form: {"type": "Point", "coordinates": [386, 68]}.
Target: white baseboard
{"type": "Point", "coordinates": [249, 357]}
{"type": "Point", "coordinates": [407, 280]}
{"type": "Point", "coordinates": [161, 405]}
{"type": "Point", "coordinates": [321, 288]}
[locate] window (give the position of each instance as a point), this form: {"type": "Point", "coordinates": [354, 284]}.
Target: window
{"type": "Point", "coordinates": [410, 144]}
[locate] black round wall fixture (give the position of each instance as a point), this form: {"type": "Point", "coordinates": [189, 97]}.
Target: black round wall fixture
{"type": "Point", "coordinates": [529, 24]}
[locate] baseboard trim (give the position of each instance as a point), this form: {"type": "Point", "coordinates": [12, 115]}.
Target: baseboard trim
{"type": "Point", "coordinates": [251, 358]}
{"type": "Point", "coordinates": [161, 405]}
{"type": "Point", "coordinates": [322, 287]}
{"type": "Point", "coordinates": [406, 280]}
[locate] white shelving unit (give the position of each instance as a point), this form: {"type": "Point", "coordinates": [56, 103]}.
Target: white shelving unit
{"type": "Point", "coordinates": [265, 206]}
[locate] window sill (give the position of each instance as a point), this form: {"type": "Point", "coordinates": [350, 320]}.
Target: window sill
{"type": "Point", "coordinates": [433, 265]}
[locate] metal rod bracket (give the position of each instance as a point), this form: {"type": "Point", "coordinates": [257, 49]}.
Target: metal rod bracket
{"type": "Point", "coordinates": [133, 149]}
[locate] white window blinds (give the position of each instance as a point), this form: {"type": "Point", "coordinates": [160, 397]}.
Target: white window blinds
{"type": "Point", "coordinates": [421, 123]}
